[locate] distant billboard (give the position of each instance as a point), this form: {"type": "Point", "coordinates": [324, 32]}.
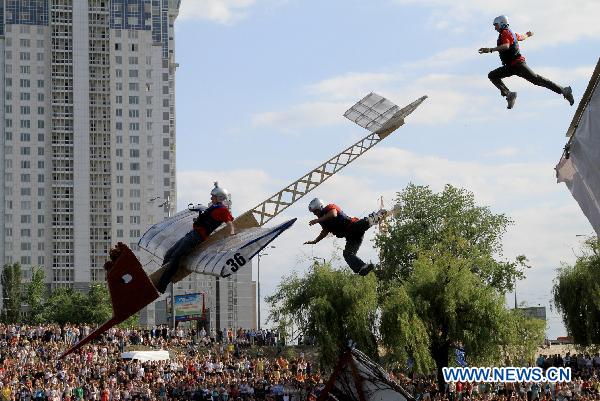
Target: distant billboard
{"type": "Point", "coordinates": [188, 307]}
{"type": "Point", "coordinates": [537, 312]}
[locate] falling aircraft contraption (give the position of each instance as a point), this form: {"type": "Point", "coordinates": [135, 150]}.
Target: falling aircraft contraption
{"type": "Point", "coordinates": [220, 255]}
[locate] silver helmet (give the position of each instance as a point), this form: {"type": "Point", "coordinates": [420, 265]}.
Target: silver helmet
{"type": "Point", "coordinates": [316, 204]}
{"type": "Point", "coordinates": [221, 195]}
{"type": "Point", "coordinates": [502, 21]}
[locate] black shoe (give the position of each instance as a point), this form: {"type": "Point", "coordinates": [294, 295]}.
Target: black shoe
{"type": "Point", "coordinates": [366, 269]}
{"type": "Point", "coordinates": [510, 98]}
{"type": "Point", "coordinates": [568, 94]}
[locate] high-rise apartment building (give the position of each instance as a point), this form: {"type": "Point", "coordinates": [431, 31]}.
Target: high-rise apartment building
{"type": "Point", "coordinates": [88, 149]}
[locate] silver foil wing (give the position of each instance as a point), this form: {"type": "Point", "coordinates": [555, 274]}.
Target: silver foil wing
{"type": "Point", "coordinates": [226, 256]}
{"type": "Point", "coordinates": [161, 236]}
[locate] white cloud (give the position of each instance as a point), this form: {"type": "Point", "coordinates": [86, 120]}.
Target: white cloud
{"type": "Point", "coordinates": [445, 58]}
{"type": "Point", "coordinates": [563, 22]}
{"type": "Point", "coordinates": [503, 152]}
{"type": "Point", "coordinates": [302, 115]}
{"type": "Point", "coordinates": [546, 219]}
{"type": "Point", "coordinates": [466, 98]}
{"type": "Point", "coordinates": [352, 85]}
{"type": "Point", "coordinates": [504, 185]}
{"type": "Point", "coordinates": [566, 75]}
{"type": "Point", "coordinates": [221, 11]}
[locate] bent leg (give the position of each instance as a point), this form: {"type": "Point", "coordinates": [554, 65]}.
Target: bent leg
{"type": "Point", "coordinates": [352, 246]}
{"type": "Point", "coordinates": [496, 77]}
{"type": "Point", "coordinates": [173, 257]}
{"type": "Point", "coordinates": [525, 72]}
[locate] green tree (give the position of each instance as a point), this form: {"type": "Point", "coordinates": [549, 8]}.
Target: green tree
{"type": "Point", "coordinates": [441, 284]}
{"type": "Point", "coordinates": [522, 338]}
{"type": "Point", "coordinates": [97, 307]}
{"type": "Point", "coordinates": [11, 293]}
{"type": "Point", "coordinates": [576, 293]}
{"type": "Point", "coordinates": [444, 304]}
{"type": "Point", "coordinates": [422, 219]}
{"type": "Point", "coordinates": [35, 296]}
{"type": "Point", "coordinates": [331, 306]}
{"type": "Point", "coordinates": [66, 305]}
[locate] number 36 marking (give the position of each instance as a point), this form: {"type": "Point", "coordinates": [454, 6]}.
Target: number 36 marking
{"type": "Point", "coordinates": [236, 262]}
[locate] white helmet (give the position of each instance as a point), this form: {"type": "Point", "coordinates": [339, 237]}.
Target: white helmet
{"type": "Point", "coordinates": [221, 194]}
{"type": "Point", "coordinates": [502, 21]}
{"type": "Point", "coordinates": [316, 204]}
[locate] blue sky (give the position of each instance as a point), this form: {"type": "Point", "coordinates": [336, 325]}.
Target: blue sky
{"type": "Point", "coordinates": [262, 86]}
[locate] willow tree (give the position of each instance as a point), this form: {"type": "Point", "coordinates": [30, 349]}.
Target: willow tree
{"type": "Point", "coordinates": [442, 280]}
{"type": "Point", "coordinates": [576, 293]}
{"type": "Point", "coordinates": [424, 219]}
{"type": "Point", "coordinates": [443, 305]}
{"type": "Point", "coordinates": [331, 307]}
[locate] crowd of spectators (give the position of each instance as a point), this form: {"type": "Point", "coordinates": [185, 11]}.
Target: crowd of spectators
{"type": "Point", "coordinates": [215, 366]}
{"type": "Point", "coordinates": [221, 366]}
{"type": "Point", "coordinates": [584, 384]}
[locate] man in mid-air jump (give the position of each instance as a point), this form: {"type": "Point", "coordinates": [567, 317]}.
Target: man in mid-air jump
{"type": "Point", "coordinates": [513, 63]}
{"type": "Point", "coordinates": [208, 220]}
{"type": "Point", "coordinates": [333, 220]}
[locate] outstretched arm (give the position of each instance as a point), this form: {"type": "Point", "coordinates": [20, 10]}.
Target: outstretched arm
{"type": "Point", "coordinates": [523, 37]}
{"type": "Point", "coordinates": [503, 46]}
{"type": "Point", "coordinates": [319, 238]}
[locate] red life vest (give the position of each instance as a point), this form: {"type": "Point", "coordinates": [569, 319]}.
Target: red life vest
{"type": "Point", "coordinates": [512, 53]}
{"type": "Point", "coordinates": [339, 225]}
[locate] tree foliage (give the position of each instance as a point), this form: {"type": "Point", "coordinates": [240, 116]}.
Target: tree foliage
{"type": "Point", "coordinates": [442, 305]}
{"type": "Point", "coordinates": [331, 307]}
{"type": "Point", "coordinates": [35, 296]}
{"type": "Point", "coordinates": [522, 337]}
{"type": "Point", "coordinates": [576, 293]}
{"type": "Point", "coordinates": [423, 219]}
{"type": "Point", "coordinates": [66, 305]}
{"type": "Point", "coordinates": [441, 285]}
{"type": "Point", "coordinates": [11, 293]}
{"type": "Point", "coordinates": [63, 305]}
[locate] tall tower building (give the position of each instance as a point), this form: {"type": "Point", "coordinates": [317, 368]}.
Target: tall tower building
{"type": "Point", "coordinates": [89, 130]}
{"type": "Point", "coordinates": [88, 150]}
